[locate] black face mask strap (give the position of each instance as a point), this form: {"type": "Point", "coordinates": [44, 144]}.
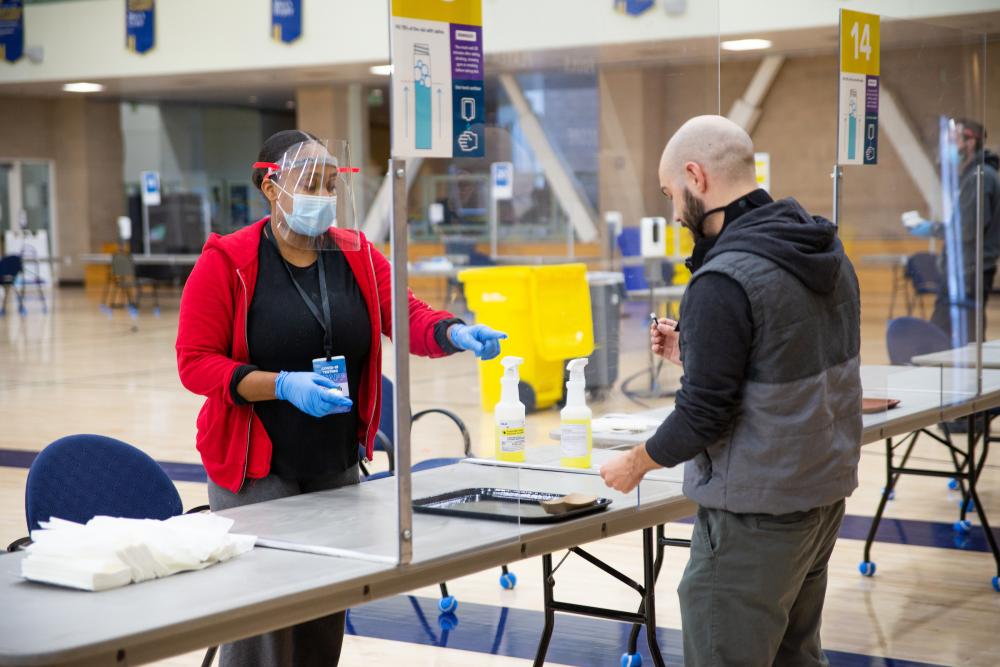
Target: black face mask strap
{"type": "Point", "coordinates": [712, 211]}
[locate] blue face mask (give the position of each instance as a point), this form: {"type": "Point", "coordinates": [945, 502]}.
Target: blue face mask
{"type": "Point", "coordinates": [311, 215]}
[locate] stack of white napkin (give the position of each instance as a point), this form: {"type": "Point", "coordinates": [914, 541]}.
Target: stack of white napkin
{"type": "Point", "coordinates": [111, 552]}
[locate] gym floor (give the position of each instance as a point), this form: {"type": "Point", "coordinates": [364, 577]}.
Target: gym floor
{"type": "Point", "coordinates": [78, 370]}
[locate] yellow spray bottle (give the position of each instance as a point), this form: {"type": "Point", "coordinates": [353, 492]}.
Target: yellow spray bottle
{"type": "Point", "coordinates": [575, 437]}
{"type": "Point", "coordinates": [509, 414]}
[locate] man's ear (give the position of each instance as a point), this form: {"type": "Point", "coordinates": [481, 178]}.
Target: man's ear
{"type": "Point", "coordinates": [695, 178]}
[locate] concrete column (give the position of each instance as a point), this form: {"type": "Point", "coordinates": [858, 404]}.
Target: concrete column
{"type": "Point", "coordinates": [622, 144]}
{"type": "Point", "coordinates": [86, 144]}
{"type": "Point", "coordinates": [340, 113]}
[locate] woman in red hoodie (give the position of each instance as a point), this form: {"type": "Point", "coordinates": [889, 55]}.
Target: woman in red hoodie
{"type": "Point", "coordinates": [275, 319]}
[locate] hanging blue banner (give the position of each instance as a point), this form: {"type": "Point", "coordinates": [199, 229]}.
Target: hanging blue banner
{"type": "Point", "coordinates": [140, 24]}
{"type": "Point", "coordinates": [633, 7]}
{"type": "Point", "coordinates": [11, 30]}
{"type": "Point", "coordinates": [286, 20]}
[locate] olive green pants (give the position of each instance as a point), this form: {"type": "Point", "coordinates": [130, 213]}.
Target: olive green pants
{"type": "Point", "coordinates": [752, 593]}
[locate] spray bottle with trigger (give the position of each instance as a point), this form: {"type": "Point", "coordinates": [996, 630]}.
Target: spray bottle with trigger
{"type": "Point", "coordinates": [508, 415]}
{"type": "Point", "coordinates": [575, 437]}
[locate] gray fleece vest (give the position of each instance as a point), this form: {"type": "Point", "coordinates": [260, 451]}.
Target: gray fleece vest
{"type": "Point", "coordinates": [796, 441]}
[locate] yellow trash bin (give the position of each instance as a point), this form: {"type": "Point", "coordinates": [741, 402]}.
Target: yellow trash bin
{"type": "Point", "coordinates": [545, 312]}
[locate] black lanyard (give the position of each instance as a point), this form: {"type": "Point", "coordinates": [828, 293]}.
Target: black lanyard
{"type": "Point", "coordinates": [324, 320]}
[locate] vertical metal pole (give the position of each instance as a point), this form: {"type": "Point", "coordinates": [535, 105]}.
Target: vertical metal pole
{"type": "Point", "coordinates": [980, 307]}
{"type": "Point", "coordinates": [401, 352]}
{"type": "Point", "coordinates": [145, 225]}
{"type": "Point", "coordinates": [494, 222]}
{"type": "Point", "coordinates": [837, 175]}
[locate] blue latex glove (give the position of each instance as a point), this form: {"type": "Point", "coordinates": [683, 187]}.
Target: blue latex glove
{"type": "Point", "coordinates": [924, 229]}
{"type": "Point", "coordinates": [478, 339]}
{"type": "Point", "coordinates": [310, 393]}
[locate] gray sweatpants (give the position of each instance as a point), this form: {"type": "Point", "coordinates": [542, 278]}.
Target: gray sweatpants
{"type": "Point", "coordinates": [317, 642]}
{"type": "Point", "coordinates": [753, 589]}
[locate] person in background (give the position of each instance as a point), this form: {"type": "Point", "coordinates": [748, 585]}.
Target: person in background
{"type": "Point", "coordinates": [768, 417]}
{"type": "Point", "coordinates": [262, 306]}
{"type": "Point", "coordinates": [968, 137]}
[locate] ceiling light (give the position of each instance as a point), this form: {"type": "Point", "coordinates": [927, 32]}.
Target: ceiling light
{"type": "Point", "coordinates": [82, 87]}
{"type": "Point", "coordinates": [381, 70]}
{"type": "Point", "coordinates": [746, 44]}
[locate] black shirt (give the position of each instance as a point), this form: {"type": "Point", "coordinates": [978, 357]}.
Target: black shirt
{"type": "Point", "coordinates": [712, 384]}
{"type": "Point", "coordinates": [283, 335]}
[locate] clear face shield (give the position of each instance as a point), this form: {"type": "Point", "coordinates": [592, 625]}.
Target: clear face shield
{"type": "Point", "coordinates": [312, 191]}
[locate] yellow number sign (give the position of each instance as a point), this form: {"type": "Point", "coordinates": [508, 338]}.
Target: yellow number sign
{"type": "Point", "coordinates": [859, 43]}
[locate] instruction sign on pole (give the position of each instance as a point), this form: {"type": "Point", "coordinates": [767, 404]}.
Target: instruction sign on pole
{"type": "Point", "coordinates": [502, 180]}
{"type": "Point", "coordinates": [857, 131]}
{"type": "Point", "coordinates": [438, 104]}
{"type": "Point", "coordinates": [150, 188]}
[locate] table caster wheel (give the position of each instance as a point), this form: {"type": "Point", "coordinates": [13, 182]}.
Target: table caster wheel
{"type": "Point", "coordinates": [448, 605]}
{"type": "Point", "coordinates": [867, 568]}
{"type": "Point", "coordinates": [892, 494]}
{"type": "Point", "coordinates": [447, 622]}
{"type": "Point", "coordinates": [508, 580]}
{"type": "Point", "coordinates": [156, 312]}
{"type": "Point", "coordinates": [133, 312]}
{"type": "Point", "coordinates": [631, 660]}
{"type": "Point", "coordinates": [963, 526]}
{"type": "Point", "coordinates": [953, 484]}
{"type": "Point", "coordinates": [996, 584]}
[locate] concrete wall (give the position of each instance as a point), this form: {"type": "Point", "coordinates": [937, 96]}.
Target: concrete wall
{"type": "Point", "coordinates": [83, 138]}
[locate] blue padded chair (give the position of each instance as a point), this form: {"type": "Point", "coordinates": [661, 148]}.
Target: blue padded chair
{"type": "Point", "coordinates": [629, 245]}
{"type": "Point", "coordinates": [11, 267]}
{"type": "Point", "coordinates": [384, 440]}
{"type": "Point", "coordinates": [908, 337]}
{"type": "Point", "coordinates": [924, 278]}
{"type": "Point", "coordinates": [82, 476]}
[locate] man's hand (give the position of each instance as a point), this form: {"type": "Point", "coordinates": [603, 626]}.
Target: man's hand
{"type": "Point", "coordinates": [623, 473]}
{"type": "Point", "coordinates": [665, 340]}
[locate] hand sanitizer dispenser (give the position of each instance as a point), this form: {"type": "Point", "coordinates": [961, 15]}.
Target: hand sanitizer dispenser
{"type": "Point", "coordinates": [509, 414]}
{"type": "Point", "coordinates": [575, 437]}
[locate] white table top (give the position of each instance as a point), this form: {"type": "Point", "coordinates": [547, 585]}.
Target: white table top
{"type": "Point", "coordinates": [138, 259]}
{"type": "Point", "coordinates": [927, 396]}
{"type": "Point", "coordinates": [888, 259]}
{"type": "Point", "coordinates": [270, 588]}
{"type": "Point", "coordinates": [962, 357]}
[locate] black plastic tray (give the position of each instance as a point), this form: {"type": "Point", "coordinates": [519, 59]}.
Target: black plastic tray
{"type": "Point", "coordinates": [492, 504]}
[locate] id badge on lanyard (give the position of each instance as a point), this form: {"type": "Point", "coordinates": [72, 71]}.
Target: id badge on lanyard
{"type": "Point", "coordinates": [332, 367]}
{"type": "Point", "coordinates": [335, 370]}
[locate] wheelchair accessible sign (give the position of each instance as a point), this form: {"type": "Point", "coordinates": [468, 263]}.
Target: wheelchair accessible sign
{"type": "Point", "coordinates": [438, 107]}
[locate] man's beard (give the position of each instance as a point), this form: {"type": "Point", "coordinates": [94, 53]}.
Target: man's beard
{"type": "Point", "coordinates": [694, 215]}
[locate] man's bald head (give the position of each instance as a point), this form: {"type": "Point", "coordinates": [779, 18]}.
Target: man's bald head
{"type": "Point", "coordinates": [721, 147]}
{"type": "Point", "coordinates": [707, 164]}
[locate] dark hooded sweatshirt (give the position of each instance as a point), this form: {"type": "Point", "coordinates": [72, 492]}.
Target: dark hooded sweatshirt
{"type": "Point", "coordinates": [769, 406]}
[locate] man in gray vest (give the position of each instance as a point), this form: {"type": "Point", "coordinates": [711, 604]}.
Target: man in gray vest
{"type": "Point", "coordinates": [768, 416]}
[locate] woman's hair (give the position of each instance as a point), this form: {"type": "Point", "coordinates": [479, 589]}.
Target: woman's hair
{"type": "Point", "coordinates": [275, 147]}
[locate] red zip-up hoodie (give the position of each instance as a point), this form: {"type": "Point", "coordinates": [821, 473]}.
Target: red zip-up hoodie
{"type": "Point", "coordinates": [212, 344]}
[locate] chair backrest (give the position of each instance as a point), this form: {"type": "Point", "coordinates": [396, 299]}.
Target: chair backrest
{"type": "Point", "coordinates": [11, 266]}
{"type": "Point", "coordinates": [385, 417]}
{"type": "Point", "coordinates": [629, 242]}
{"type": "Point", "coordinates": [922, 270]}
{"type": "Point", "coordinates": [908, 337]}
{"type": "Point", "coordinates": [122, 265]}
{"type": "Point", "coordinates": [81, 476]}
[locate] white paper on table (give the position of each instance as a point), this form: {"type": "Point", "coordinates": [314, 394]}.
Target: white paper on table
{"type": "Point", "coordinates": [109, 552]}
{"type": "Point", "coordinates": [624, 423]}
